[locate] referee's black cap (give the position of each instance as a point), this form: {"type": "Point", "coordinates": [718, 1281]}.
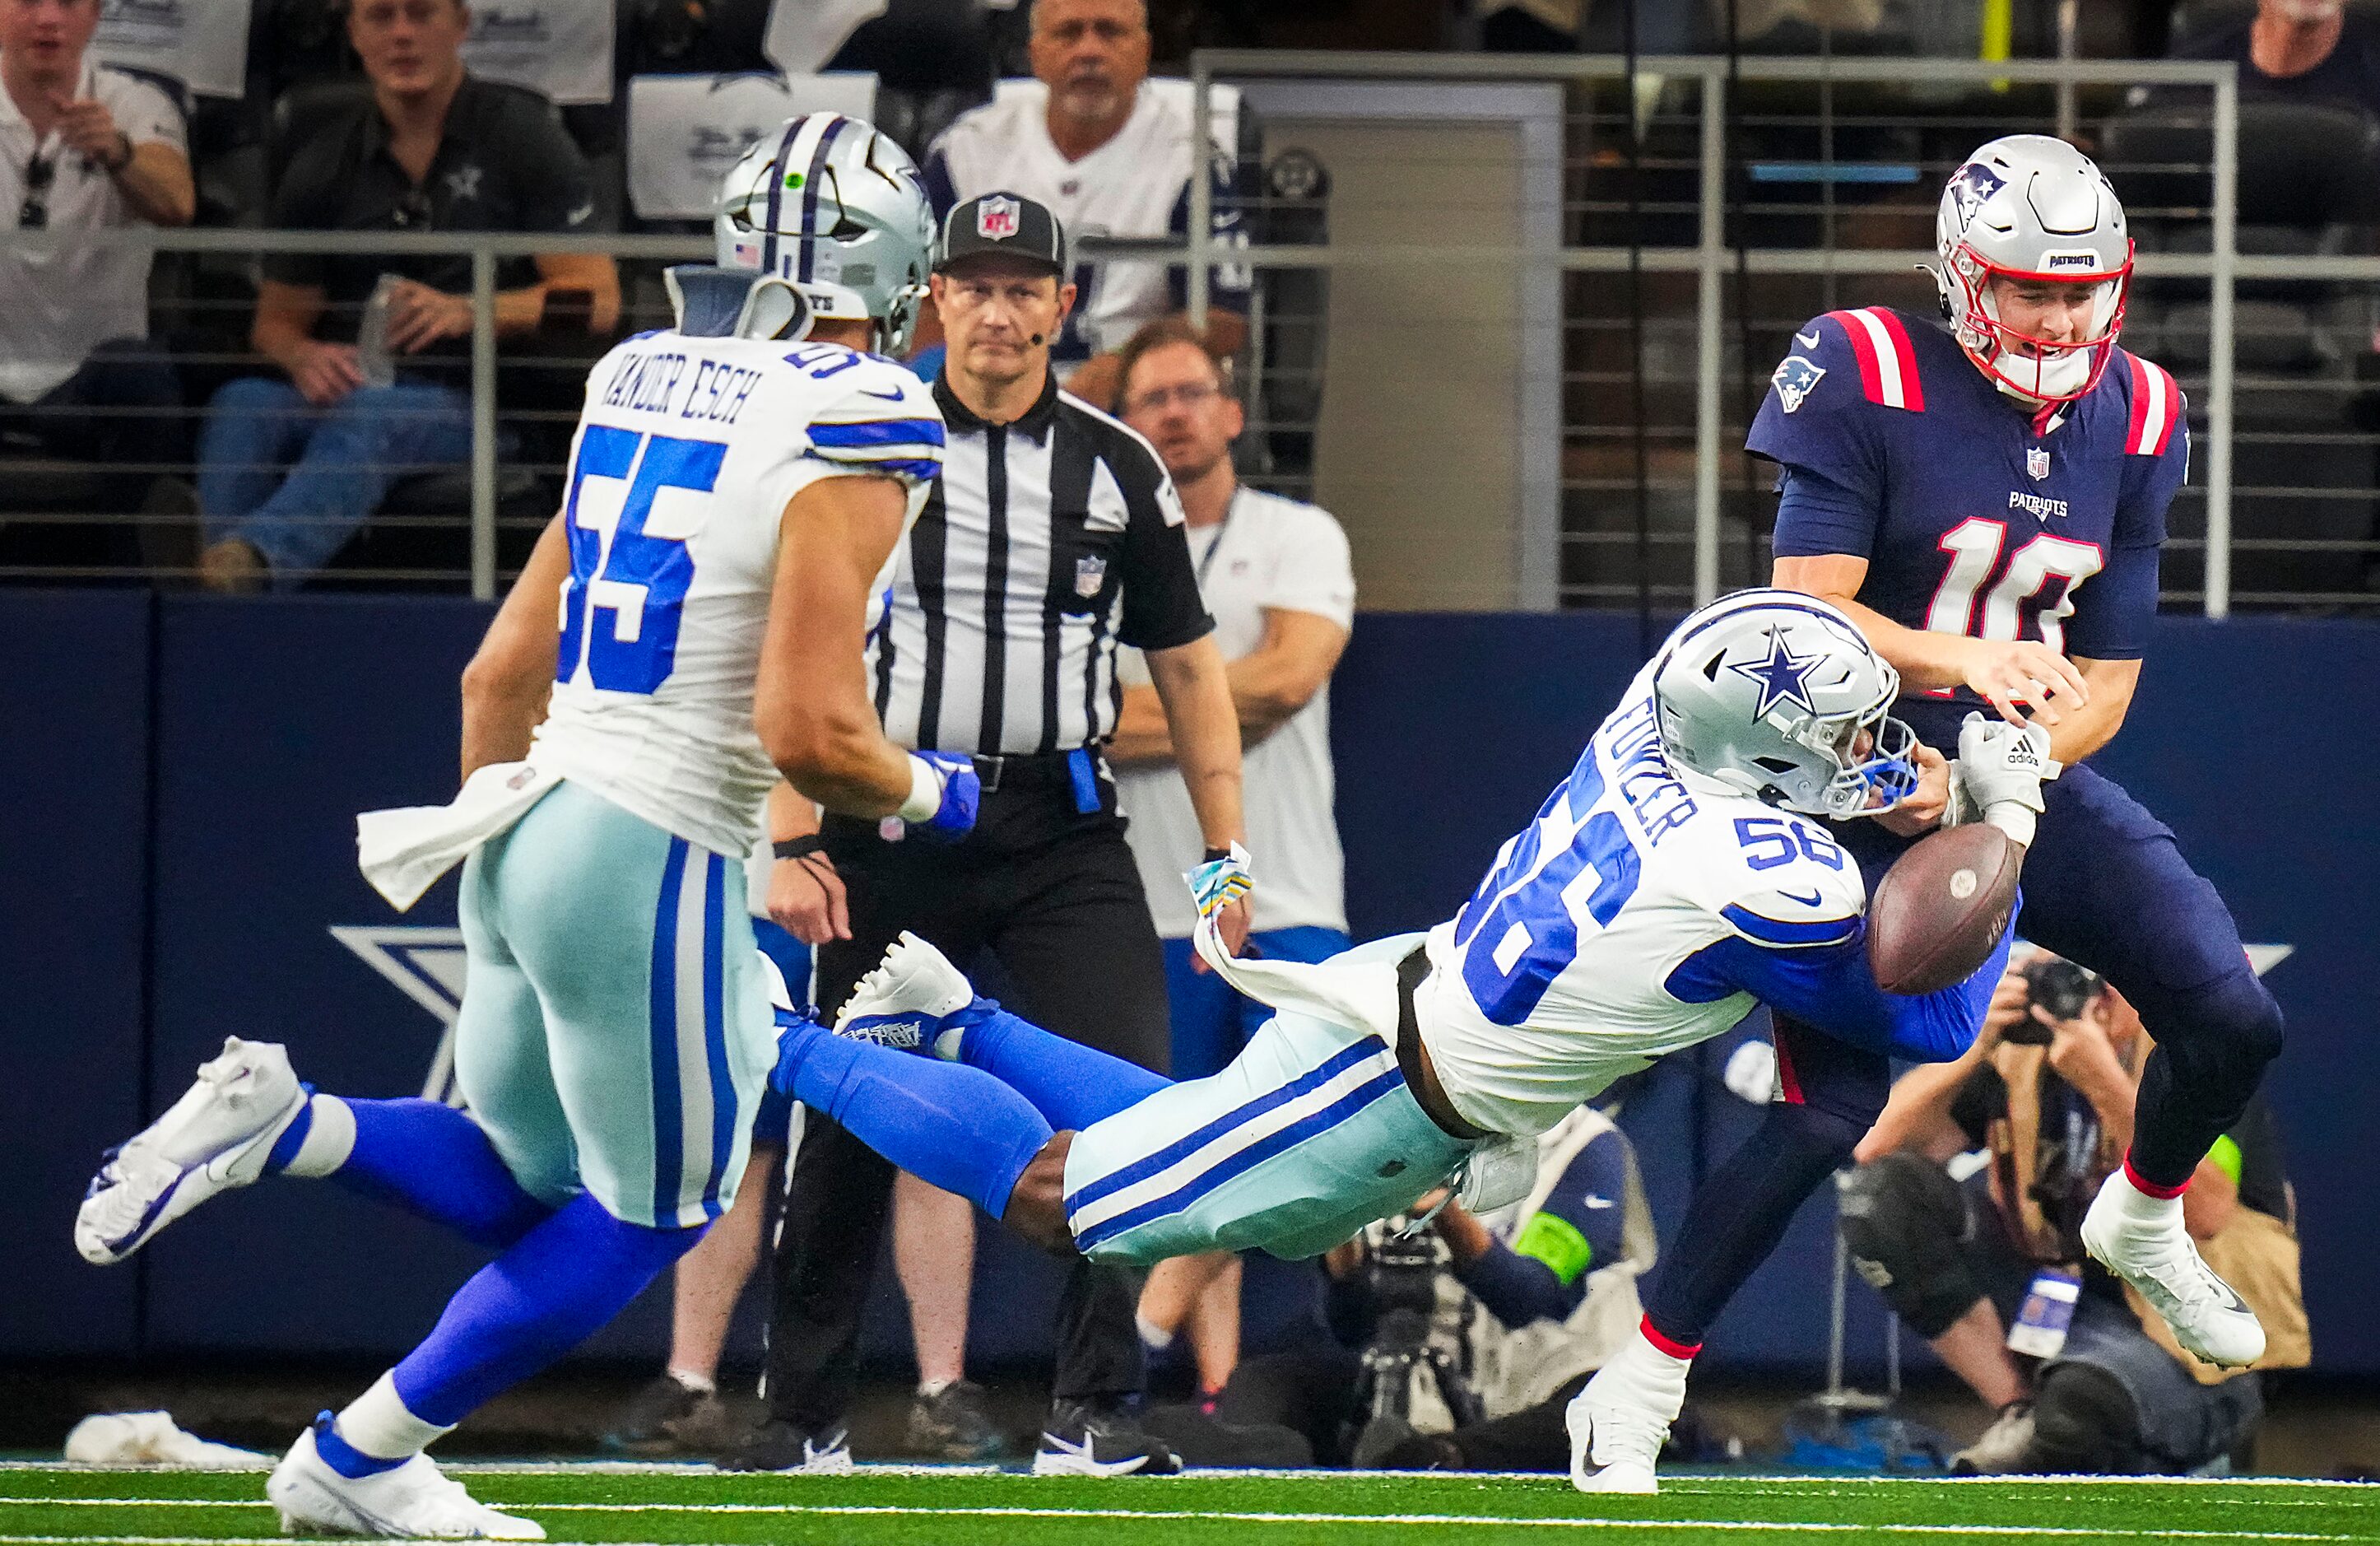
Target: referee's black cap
{"type": "Point", "coordinates": [1004, 224]}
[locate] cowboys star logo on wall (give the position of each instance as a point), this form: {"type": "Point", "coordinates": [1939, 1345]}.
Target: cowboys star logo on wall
{"type": "Point", "coordinates": [996, 219]}
{"type": "Point", "coordinates": [426, 965]}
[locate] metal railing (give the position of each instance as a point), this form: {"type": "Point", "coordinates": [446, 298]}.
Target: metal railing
{"type": "Point", "coordinates": [1709, 247]}
{"type": "Point", "coordinates": [1711, 260]}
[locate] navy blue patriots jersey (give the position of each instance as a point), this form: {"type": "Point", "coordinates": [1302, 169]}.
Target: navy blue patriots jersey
{"type": "Point", "coordinates": [1896, 449]}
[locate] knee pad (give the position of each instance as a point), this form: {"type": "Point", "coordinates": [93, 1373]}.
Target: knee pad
{"type": "Point", "coordinates": [2232, 1022]}
{"type": "Point", "coordinates": [2084, 1420]}
{"type": "Point", "coordinates": [1902, 1220]}
{"type": "Point", "coordinates": [1817, 1132]}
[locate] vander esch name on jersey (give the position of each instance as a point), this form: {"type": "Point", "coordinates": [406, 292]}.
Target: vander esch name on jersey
{"type": "Point", "coordinates": [1646, 782]}
{"type": "Point", "coordinates": [649, 384]}
{"type": "Point", "coordinates": [2035, 505]}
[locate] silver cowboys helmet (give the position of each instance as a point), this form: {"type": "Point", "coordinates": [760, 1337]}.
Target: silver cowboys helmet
{"type": "Point", "coordinates": [838, 214]}
{"type": "Point", "coordinates": [1776, 695]}
{"type": "Point", "coordinates": [2029, 207]}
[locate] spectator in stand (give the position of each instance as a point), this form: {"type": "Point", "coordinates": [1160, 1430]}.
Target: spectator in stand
{"type": "Point", "coordinates": [1109, 158]}
{"type": "Point", "coordinates": [83, 148]}
{"type": "Point", "coordinates": [1276, 577]}
{"type": "Point", "coordinates": [432, 149]}
{"type": "Point", "coordinates": [2301, 50]}
{"type": "Point", "coordinates": [1991, 1271]}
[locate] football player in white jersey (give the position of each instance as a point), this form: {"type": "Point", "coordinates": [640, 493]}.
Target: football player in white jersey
{"type": "Point", "coordinates": [1672, 882]}
{"type": "Point", "coordinates": [737, 488]}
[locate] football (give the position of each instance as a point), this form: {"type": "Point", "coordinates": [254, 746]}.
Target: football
{"type": "Point", "coordinates": [1939, 910]}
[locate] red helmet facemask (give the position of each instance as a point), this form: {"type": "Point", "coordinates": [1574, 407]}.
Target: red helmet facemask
{"type": "Point", "coordinates": [2034, 368]}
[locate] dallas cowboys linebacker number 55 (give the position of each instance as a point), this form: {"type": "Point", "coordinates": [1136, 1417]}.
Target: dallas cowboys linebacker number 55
{"type": "Point", "coordinates": [1675, 877]}
{"type": "Point", "coordinates": [736, 489]}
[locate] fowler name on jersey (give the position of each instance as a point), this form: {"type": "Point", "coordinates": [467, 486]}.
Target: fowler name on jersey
{"type": "Point", "coordinates": [689, 452]}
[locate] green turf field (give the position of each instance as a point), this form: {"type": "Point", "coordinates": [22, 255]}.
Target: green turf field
{"type": "Point", "coordinates": [43, 1507]}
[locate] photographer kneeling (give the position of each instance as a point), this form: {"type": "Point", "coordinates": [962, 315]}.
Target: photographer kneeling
{"type": "Point", "coordinates": [1987, 1263]}
{"type": "Point", "coordinates": [1459, 1342]}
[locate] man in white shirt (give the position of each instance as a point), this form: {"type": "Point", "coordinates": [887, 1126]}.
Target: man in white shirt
{"type": "Point", "coordinates": [83, 148]}
{"type": "Point", "coordinates": [1276, 577]}
{"type": "Point", "coordinates": [1110, 157]}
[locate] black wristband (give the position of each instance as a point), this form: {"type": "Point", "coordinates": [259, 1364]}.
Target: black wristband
{"type": "Point", "coordinates": [798, 848]}
{"type": "Point", "coordinates": [1214, 854]}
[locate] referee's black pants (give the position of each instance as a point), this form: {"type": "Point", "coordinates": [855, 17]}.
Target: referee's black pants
{"type": "Point", "coordinates": [1053, 893]}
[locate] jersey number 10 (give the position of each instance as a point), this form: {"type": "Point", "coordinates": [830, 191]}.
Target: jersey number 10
{"type": "Point", "coordinates": [1974, 548]}
{"type": "Point", "coordinates": [642, 576]}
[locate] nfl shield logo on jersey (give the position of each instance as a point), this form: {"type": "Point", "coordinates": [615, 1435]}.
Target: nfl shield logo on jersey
{"type": "Point", "coordinates": [995, 219]}
{"type": "Point", "coordinates": [1089, 575]}
{"type": "Point", "coordinates": [2036, 460]}
{"type": "Point", "coordinates": [1793, 380]}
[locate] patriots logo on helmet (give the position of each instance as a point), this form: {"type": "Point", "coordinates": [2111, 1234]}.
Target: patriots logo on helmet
{"type": "Point", "coordinates": [1784, 676]}
{"type": "Point", "coordinates": [996, 219]}
{"type": "Point", "coordinates": [1974, 183]}
{"type": "Point", "coordinates": [1795, 379]}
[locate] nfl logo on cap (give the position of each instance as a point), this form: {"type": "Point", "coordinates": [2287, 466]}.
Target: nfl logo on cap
{"type": "Point", "coordinates": [2036, 460]}
{"type": "Point", "coordinates": [996, 218]}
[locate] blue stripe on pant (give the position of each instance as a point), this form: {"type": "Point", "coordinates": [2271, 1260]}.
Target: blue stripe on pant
{"type": "Point", "coordinates": [1309, 1135]}
{"type": "Point", "coordinates": [614, 1033]}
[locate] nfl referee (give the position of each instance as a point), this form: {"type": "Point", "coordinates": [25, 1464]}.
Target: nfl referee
{"type": "Point", "coordinates": [1053, 536]}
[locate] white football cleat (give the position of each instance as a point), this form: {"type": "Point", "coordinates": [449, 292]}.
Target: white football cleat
{"type": "Point", "coordinates": [414, 1501]}
{"type": "Point", "coordinates": [905, 1000]}
{"type": "Point", "coordinates": [2142, 1240]}
{"type": "Point", "coordinates": [215, 1138]}
{"type": "Point", "coordinates": [1619, 1422]}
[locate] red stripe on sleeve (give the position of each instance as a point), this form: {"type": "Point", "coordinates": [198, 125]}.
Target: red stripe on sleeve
{"type": "Point", "coordinates": [1913, 393]}
{"type": "Point", "coordinates": [2172, 408]}
{"type": "Point", "coordinates": [2137, 434]}
{"type": "Point", "coordinates": [1864, 350]}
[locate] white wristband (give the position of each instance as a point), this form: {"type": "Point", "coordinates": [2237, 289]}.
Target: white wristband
{"type": "Point", "coordinates": [2014, 817]}
{"type": "Point", "coordinates": [925, 792]}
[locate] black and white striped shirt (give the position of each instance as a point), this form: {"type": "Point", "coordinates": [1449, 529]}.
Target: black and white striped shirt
{"type": "Point", "coordinates": [1044, 544]}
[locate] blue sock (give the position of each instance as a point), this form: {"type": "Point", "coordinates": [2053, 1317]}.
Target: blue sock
{"type": "Point", "coordinates": [430, 1160]}
{"type": "Point", "coordinates": [559, 1284]}
{"type": "Point", "coordinates": [951, 1126]}
{"type": "Point", "coordinates": [1071, 1085]}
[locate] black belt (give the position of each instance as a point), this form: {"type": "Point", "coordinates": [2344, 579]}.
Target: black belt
{"type": "Point", "coordinates": [1410, 972]}
{"type": "Point", "coordinates": [1024, 770]}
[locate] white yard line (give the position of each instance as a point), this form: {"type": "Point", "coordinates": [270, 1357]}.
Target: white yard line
{"type": "Point", "coordinates": [1196, 1516]}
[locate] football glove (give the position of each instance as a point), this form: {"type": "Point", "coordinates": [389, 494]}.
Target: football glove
{"type": "Point", "coordinates": [945, 791]}
{"type": "Point", "coordinates": [1998, 774]}
{"type": "Point", "coordinates": [1218, 882]}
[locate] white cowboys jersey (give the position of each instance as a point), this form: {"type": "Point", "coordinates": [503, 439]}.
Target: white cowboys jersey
{"type": "Point", "coordinates": [1557, 977]}
{"type": "Point", "coordinates": [687, 453]}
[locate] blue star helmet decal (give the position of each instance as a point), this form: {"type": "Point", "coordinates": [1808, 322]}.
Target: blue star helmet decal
{"type": "Point", "coordinates": [1784, 676]}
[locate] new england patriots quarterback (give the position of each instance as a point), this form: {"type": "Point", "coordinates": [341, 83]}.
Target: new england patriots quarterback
{"type": "Point", "coordinates": [1987, 496]}
{"type": "Point", "coordinates": [1679, 876]}
{"type": "Point", "coordinates": [737, 488]}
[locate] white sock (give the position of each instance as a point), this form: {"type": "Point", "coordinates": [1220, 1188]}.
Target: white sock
{"type": "Point", "coordinates": [327, 1144]}
{"type": "Point", "coordinates": [930, 1389]}
{"type": "Point", "coordinates": [2138, 1207]}
{"type": "Point", "coordinates": [700, 1384]}
{"type": "Point", "coordinates": [1154, 1336]}
{"type": "Point", "coordinates": [379, 1424]}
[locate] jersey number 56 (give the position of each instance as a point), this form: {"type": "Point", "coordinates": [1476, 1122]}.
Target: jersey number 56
{"type": "Point", "coordinates": [639, 576]}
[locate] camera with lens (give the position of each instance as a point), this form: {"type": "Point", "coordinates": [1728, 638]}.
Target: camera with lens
{"type": "Point", "coordinates": [1401, 1269]}
{"type": "Point", "coordinates": [2060, 990]}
